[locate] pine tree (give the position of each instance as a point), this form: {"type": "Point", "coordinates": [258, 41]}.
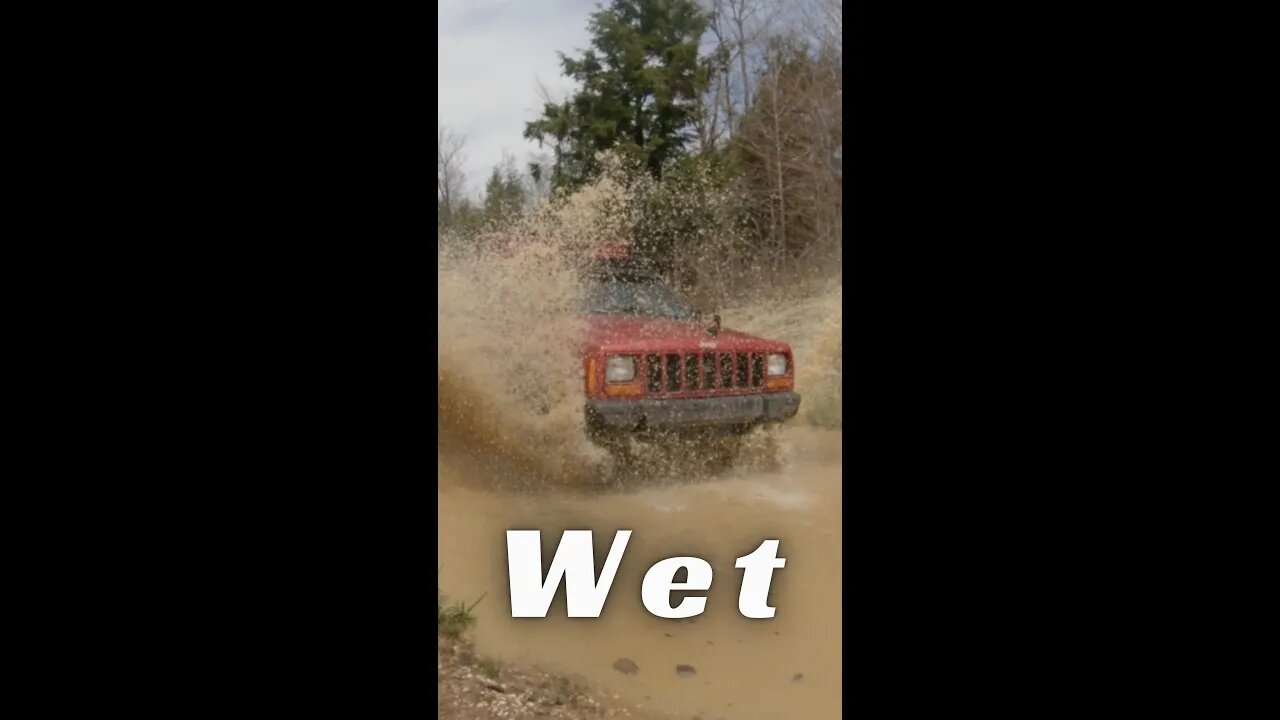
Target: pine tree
{"type": "Point", "coordinates": [640, 83]}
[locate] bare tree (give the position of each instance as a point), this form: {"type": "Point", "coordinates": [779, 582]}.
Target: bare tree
{"type": "Point", "coordinates": [791, 139]}
{"type": "Point", "coordinates": [721, 56]}
{"type": "Point", "coordinates": [707, 117]}
{"type": "Point", "coordinates": [449, 175]}
{"type": "Point", "coordinates": [741, 29]}
{"type": "Point", "coordinates": [824, 19]}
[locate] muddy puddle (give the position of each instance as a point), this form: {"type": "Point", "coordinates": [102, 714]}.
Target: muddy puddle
{"type": "Point", "coordinates": [785, 667]}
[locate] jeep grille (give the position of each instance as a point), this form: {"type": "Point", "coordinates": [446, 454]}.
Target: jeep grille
{"type": "Point", "coordinates": [674, 372]}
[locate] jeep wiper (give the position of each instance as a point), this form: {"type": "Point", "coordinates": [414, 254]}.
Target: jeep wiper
{"type": "Point", "coordinates": [642, 312]}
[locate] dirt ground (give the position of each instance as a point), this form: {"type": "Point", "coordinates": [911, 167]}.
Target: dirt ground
{"type": "Point", "coordinates": [475, 688]}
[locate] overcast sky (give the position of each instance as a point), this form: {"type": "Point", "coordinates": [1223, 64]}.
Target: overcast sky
{"type": "Point", "coordinates": [493, 53]}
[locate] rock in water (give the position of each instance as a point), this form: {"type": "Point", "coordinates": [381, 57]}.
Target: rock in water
{"type": "Point", "coordinates": [685, 671]}
{"type": "Point", "coordinates": [797, 677]}
{"type": "Point", "coordinates": [626, 666]}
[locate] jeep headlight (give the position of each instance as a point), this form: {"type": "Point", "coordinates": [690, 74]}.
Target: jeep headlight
{"type": "Point", "coordinates": [620, 368]}
{"type": "Point", "coordinates": [777, 364]}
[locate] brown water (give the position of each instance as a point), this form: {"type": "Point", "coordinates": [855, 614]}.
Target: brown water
{"type": "Point", "coordinates": [745, 668]}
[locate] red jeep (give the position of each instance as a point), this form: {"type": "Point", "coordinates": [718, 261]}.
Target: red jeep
{"type": "Point", "coordinates": [652, 366]}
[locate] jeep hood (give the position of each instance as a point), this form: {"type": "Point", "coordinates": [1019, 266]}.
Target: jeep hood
{"type": "Point", "coordinates": [653, 334]}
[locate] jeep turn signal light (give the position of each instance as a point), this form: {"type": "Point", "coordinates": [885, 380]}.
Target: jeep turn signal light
{"type": "Point", "coordinates": [628, 390]}
{"type": "Point", "coordinates": [780, 383]}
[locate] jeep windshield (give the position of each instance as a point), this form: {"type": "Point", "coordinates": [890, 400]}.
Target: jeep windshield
{"type": "Point", "coordinates": [648, 298]}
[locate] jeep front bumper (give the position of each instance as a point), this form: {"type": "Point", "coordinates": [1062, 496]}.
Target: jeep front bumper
{"type": "Point", "coordinates": [671, 413]}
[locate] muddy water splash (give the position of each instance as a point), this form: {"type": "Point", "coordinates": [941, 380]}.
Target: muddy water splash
{"type": "Point", "coordinates": [508, 371]}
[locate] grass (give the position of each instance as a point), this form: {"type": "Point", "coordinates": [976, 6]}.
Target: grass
{"type": "Point", "coordinates": [453, 620]}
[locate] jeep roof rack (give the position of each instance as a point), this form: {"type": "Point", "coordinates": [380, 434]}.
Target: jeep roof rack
{"type": "Point", "coordinates": [615, 261]}
{"type": "Point", "coordinates": [613, 251]}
